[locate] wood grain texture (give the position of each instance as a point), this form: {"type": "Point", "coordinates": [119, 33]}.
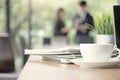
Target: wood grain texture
{"type": "Point", "coordinates": [36, 69]}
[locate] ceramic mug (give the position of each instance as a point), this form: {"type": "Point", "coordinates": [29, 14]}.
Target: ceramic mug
{"type": "Point", "coordinates": [98, 52]}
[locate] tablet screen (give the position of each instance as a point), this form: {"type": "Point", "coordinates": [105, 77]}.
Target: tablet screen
{"type": "Point", "coordinates": [116, 10]}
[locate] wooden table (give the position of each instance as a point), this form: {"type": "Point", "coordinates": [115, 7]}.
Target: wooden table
{"type": "Point", "coordinates": [37, 69]}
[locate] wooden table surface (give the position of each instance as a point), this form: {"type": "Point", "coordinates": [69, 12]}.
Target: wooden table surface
{"type": "Point", "coordinates": [37, 69]}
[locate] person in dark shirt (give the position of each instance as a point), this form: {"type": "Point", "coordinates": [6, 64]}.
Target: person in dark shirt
{"type": "Point", "coordinates": [60, 28]}
{"type": "Point", "coordinates": [80, 19]}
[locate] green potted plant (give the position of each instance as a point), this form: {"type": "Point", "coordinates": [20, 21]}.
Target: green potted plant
{"type": "Point", "coordinates": [104, 29]}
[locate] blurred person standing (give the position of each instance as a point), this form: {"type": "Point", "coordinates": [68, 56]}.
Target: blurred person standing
{"type": "Point", "coordinates": [80, 19]}
{"type": "Point", "coordinates": [60, 28]}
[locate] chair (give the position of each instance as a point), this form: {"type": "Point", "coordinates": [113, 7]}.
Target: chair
{"type": "Point", "coordinates": [6, 55]}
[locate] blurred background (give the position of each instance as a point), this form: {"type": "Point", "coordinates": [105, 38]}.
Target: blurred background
{"type": "Point", "coordinates": [29, 24]}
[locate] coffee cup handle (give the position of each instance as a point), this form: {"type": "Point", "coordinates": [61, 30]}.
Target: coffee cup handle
{"type": "Point", "coordinates": [116, 58]}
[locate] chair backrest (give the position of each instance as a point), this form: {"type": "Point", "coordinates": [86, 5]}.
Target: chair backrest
{"type": "Point", "coordinates": [46, 41]}
{"type": "Point", "coordinates": [6, 55]}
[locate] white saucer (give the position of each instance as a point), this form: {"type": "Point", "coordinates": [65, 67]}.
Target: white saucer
{"type": "Point", "coordinates": [86, 64]}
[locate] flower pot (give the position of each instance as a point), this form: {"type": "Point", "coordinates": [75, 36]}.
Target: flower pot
{"type": "Point", "coordinates": [105, 39]}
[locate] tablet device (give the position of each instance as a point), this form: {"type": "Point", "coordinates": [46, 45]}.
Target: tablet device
{"type": "Point", "coordinates": [116, 12]}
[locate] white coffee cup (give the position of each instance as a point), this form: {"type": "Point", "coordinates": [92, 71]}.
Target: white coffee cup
{"type": "Point", "coordinates": [98, 52]}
